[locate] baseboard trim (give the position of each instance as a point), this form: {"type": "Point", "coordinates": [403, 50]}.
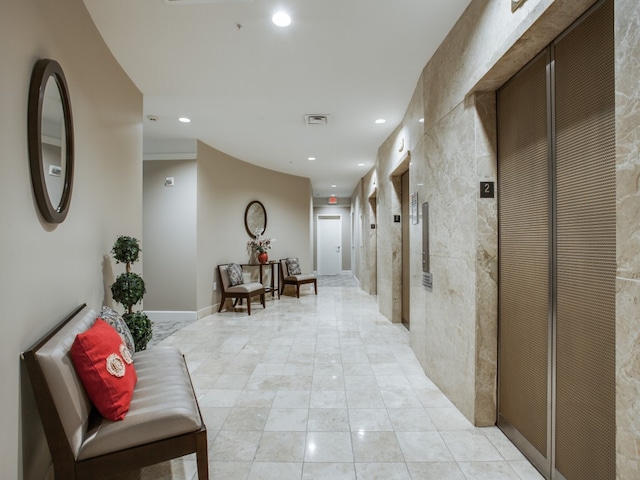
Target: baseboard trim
{"type": "Point", "coordinates": [205, 312]}
{"type": "Point", "coordinates": [171, 316]}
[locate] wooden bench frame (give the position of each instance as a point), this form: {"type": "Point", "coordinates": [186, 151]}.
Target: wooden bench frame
{"type": "Point", "coordinates": [104, 466]}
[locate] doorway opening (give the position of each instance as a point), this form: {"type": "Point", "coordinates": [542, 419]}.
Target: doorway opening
{"type": "Point", "coordinates": [329, 241]}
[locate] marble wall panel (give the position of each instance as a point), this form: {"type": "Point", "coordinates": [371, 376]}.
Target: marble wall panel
{"type": "Point", "coordinates": [451, 185]}
{"type": "Point", "coordinates": [455, 153]}
{"type": "Point", "coordinates": [391, 156]}
{"type": "Point", "coordinates": [627, 37]}
{"type": "Point", "coordinates": [627, 40]}
{"type": "Point", "coordinates": [627, 379]}
{"type": "Point", "coordinates": [450, 331]}
{"type": "Point", "coordinates": [476, 55]}
{"type": "Point", "coordinates": [389, 249]}
{"type": "Point", "coordinates": [486, 261]}
{"type": "Point", "coordinates": [419, 295]}
{"type": "Point", "coordinates": [357, 229]}
{"type": "Point", "coordinates": [412, 129]}
{"type": "Point", "coordinates": [448, 173]}
{"type": "Point", "coordinates": [369, 235]}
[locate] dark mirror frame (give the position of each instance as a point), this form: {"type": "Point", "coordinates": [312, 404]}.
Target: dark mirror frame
{"type": "Point", "coordinates": [42, 71]}
{"type": "Point", "coordinates": [246, 215]}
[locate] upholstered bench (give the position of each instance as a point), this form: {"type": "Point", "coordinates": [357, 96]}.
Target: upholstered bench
{"type": "Point", "coordinates": [163, 421]}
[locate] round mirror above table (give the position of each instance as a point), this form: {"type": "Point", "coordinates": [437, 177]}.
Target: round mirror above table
{"type": "Point", "coordinates": [50, 135]}
{"type": "Point", "coordinates": [255, 218]}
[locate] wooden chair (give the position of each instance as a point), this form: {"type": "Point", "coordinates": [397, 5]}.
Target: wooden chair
{"type": "Point", "coordinates": [287, 279]}
{"type": "Point", "coordinates": [238, 292]}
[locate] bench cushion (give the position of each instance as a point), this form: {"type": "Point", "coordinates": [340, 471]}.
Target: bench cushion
{"type": "Point", "coordinates": [163, 406]}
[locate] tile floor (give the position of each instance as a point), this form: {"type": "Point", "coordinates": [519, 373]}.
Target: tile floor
{"type": "Point", "coordinates": [324, 387]}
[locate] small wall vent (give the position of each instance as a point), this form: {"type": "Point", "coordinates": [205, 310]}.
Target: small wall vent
{"type": "Point", "coordinates": [316, 119]}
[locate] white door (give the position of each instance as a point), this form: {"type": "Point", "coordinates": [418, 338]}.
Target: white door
{"type": "Point", "coordinates": [329, 238]}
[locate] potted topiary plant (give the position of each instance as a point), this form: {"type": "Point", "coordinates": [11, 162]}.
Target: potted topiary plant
{"type": "Point", "coordinates": [128, 290]}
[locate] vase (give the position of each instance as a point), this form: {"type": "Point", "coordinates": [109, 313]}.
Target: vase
{"type": "Point", "coordinates": [263, 257]}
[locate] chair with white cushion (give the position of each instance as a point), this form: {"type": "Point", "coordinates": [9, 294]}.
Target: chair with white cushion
{"type": "Point", "coordinates": [233, 286]}
{"type": "Point", "coordinates": [291, 274]}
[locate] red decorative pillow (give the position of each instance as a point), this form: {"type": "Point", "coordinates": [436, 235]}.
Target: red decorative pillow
{"type": "Point", "coordinates": [105, 366]}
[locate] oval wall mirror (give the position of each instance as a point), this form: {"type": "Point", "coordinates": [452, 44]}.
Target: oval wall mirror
{"type": "Point", "coordinates": [255, 218]}
{"type": "Point", "coordinates": [50, 131]}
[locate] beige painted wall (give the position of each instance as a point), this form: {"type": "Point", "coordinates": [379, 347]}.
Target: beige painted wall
{"type": "Point", "coordinates": [225, 187]}
{"type": "Point", "coordinates": [455, 151]}
{"type": "Point", "coordinates": [199, 223]}
{"type": "Point", "coordinates": [169, 231]}
{"type": "Point", "coordinates": [48, 270]}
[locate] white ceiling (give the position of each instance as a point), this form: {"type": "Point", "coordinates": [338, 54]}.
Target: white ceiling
{"type": "Point", "coordinates": [246, 84]}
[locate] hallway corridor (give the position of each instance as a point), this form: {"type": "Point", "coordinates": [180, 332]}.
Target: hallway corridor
{"type": "Point", "coordinates": [325, 387]}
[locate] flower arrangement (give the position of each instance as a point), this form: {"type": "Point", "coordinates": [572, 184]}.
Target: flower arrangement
{"type": "Point", "coordinates": [260, 244]}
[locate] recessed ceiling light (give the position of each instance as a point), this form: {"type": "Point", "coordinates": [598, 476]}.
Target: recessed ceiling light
{"type": "Point", "coordinates": [184, 120]}
{"type": "Point", "coordinates": [380, 120]}
{"type": "Point", "coordinates": [361, 164]}
{"type": "Point", "coordinates": [333, 194]}
{"type": "Point", "coordinates": [281, 19]}
{"type": "Point", "coordinates": [311, 159]}
{"type": "Point", "coordinates": [334, 186]}
{"type": "Point", "coordinates": [421, 120]}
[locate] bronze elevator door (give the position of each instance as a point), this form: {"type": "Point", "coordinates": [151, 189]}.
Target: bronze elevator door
{"type": "Point", "coordinates": [557, 254]}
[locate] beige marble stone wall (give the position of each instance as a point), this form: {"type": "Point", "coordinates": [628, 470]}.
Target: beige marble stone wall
{"type": "Point", "coordinates": [486, 157]}
{"type": "Point", "coordinates": [369, 242]}
{"type": "Point", "coordinates": [454, 328]}
{"type": "Point", "coordinates": [627, 39]}
{"type": "Point", "coordinates": [457, 151]}
{"type": "Point", "coordinates": [449, 180]}
{"type": "Point", "coordinates": [357, 229]}
{"type": "Point", "coordinates": [395, 157]}
{"type": "Point", "coordinates": [419, 295]}
{"type": "Point", "coordinates": [388, 259]}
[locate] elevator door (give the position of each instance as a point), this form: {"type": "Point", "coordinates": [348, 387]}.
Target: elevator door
{"type": "Point", "coordinates": [524, 255]}
{"type": "Point", "coordinates": [557, 254]}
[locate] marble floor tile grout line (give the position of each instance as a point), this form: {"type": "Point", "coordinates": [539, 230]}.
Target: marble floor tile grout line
{"type": "Point", "coordinates": [325, 387]}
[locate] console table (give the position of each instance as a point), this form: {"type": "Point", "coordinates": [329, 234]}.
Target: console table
{"type": "Point", "coordinates": [274, 285]}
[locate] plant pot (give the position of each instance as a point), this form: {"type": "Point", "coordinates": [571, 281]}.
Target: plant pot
{"type": "Point", "coordinates": [263, 257]}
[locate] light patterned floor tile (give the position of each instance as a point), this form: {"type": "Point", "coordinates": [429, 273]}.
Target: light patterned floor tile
{"type": "Point", "coordinates": [325, 387]}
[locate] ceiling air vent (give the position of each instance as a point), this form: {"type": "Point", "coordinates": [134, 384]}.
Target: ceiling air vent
{"type": "Point", "coordinates": [316, 119]}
